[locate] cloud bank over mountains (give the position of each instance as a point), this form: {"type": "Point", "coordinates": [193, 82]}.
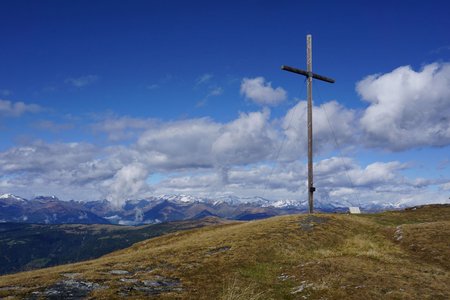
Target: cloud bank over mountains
{"type": "Point", "coordinates": [253, 155]}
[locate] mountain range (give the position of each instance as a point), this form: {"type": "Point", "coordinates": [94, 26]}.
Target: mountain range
{"type": "Point", "coordinates": [51, 210]}
{"type": "Point", "coordinates": [157, 209]}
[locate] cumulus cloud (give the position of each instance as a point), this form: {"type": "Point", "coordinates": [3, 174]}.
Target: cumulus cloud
{"type": "Point", "coordinates": [338, 180]}
{"type": "Point", "coordinates": [270, 181]}
{"type": "Point", "coordinates": [445, 187]}
{"type": "Point", "coordinates": [344, 172]}
{"type": "Point", "coordinates": [203, 143]}
{"type": "Point", "coordinates": [248, 139]}
{"type": "Point", "coordinates": [15, 109]}
{"type": "Point", "coordinates": [83, 171]}
{"type": "Point", "coordinates": [332, 124]}
{"type": "Point", "coordinates": [407, 108]}
{"type": "Point", "coordinates": [254, 154]}
{"type": "Point", "coordinates": [183, 146]}
{"type": "Point", "coordinates": [122, 128]}
{"type": "Point", "coordinates": [179, 145]}
{"type": "Point", "coordinates": [64, 169]}
{"type": "Point", "coordinates": [53, 126]}
{"type": "Point", "coordinates": [82, 81]}
{"type": "Point", "coordinates": [42, 157]}
{"type": "Point", "coordinates": [345, 181]}
{"type": "Point", "coordinates": [129, 181]}
{"type": "Point", "coordinates": [261, 92]}
{"type": "Point", "coordinates": [187, 183]}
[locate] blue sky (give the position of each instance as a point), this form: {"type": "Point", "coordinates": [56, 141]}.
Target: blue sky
{"type": "Point", "coordinates": [123, 99]}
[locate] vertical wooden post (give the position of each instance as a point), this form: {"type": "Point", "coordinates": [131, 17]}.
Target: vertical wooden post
{"type": "Point", "coordinates": [309, 75]}
{"type": "Point", "coordinates": [310, 130]}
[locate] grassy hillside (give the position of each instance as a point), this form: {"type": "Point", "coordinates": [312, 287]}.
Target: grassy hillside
{"type": "Point", "coordinates": [32, 246]}
{"type": "Point", "coordinates": [393, 255]}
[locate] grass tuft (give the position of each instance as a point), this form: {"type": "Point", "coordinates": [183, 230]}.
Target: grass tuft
{"type": "Point", "coordinates": [234, 289]}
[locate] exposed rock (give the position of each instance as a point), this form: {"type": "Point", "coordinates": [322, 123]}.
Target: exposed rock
{"type": "Point", "coordinates": [10, 288]}
{"type": "Point", "coordinates": [301, 287]}
{"type": "Point", "coordinates": [398, 234]}
{"type": "Point", "coordinates": [119, 272]}
{"type": "Point", "coordinates": [284, 277]}
{"type": "Point", "coordinates": [68, 289]}
{"type": "Point", "coordinates": [128, 280]}
{"type": "Point", "coordinates": [218, 250]}
{"type": "Point", "coordinates": [71, 275]}
{"type": "Point", "coordinates": [155, 286]}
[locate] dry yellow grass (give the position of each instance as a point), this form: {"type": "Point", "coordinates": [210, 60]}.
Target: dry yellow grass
{"type": "Point", "coordinates": [324, 256]}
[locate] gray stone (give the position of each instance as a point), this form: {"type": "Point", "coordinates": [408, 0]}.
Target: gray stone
{"type": "Point", "coordinates": [71, 289]}
{"type": "Point", "coordinates": [71, 275]}
{"type": "Point", "coordinates": [128, 280]}
{"type": "Point", "coordinates": [155, 286]}
{"type": "Point", "coordinates": [119, 272]}
{"type": "Point", "coordinates": [218, 250]}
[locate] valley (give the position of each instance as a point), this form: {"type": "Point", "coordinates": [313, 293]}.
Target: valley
{"type": "Point", "coordinates": [32, 246]}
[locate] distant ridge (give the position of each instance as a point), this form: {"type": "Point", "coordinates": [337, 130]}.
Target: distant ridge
{"type": "Point", "coordinates": [164, 208]}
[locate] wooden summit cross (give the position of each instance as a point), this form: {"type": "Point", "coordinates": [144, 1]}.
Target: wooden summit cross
{"type": "Point", "coordinates": [309, 75]}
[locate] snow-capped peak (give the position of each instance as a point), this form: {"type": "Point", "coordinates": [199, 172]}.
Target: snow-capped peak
{"type": "Point", "coordinates": [287, 203]}
{"type": "Point", "coordinates": [181, 198]}
{"type": "Point", "coordinates": [46, 198]}
{"type": "Point", "coordinates": [11, 196]}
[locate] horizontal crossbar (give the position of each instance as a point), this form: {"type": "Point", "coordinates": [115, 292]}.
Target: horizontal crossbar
{"type": "Point", "coordinates": [307, 74]}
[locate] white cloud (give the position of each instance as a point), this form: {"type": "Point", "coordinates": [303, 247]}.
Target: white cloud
{"type": "Point", "coordinates": [248, 139]}
{"type": "Point", "coordinates": [332, 124]}
{"type": "Point", "coordinates": [41, 157]}
{"type": "Point", "coordinates": [345, 181]}
{"type": "Point", "coordinates": [217, 91]}
{"type": "Point", "coordinates": [338, 180]}
{"type": "Point", "coordinates": [83, 171]}
{"type": "Point", "coordinates": [69, 170]}
{"type": "Point", "coordinates": [214, 92]}
{"type": "Point", "coordinates": [378, 173]}
{"type": "Point", "coordinates": [273, 182]}
{"type": "Point", "coordinates": [202, 143]}
{"type": "Point", "coordinates": [52, 126]}
{"type": "Point", "coordinates": [179, 145]}
{"type": "Point", "coordinates": [446, 187]}
{"type": "Point", "coordinates": [82, 81]}
{"type": "Point", "coordinates": [129, 181]}
{"type": "Point", "coordinates": [344, 172]}
{"type": "Point", "coordinates": [79, 170]}
{"type": "Point", "coordinates": [123, 128]}
{"type": "Point", "coordinates": [15, 109]}
{"type": "Point", "coordinates": [407, 109]}
{"type": "Point", "coordinates": [261, 92]}
{"type": "Point", "coordinates": [203, 79]}
{"type": "Point", "coordinates": [253, 154]}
